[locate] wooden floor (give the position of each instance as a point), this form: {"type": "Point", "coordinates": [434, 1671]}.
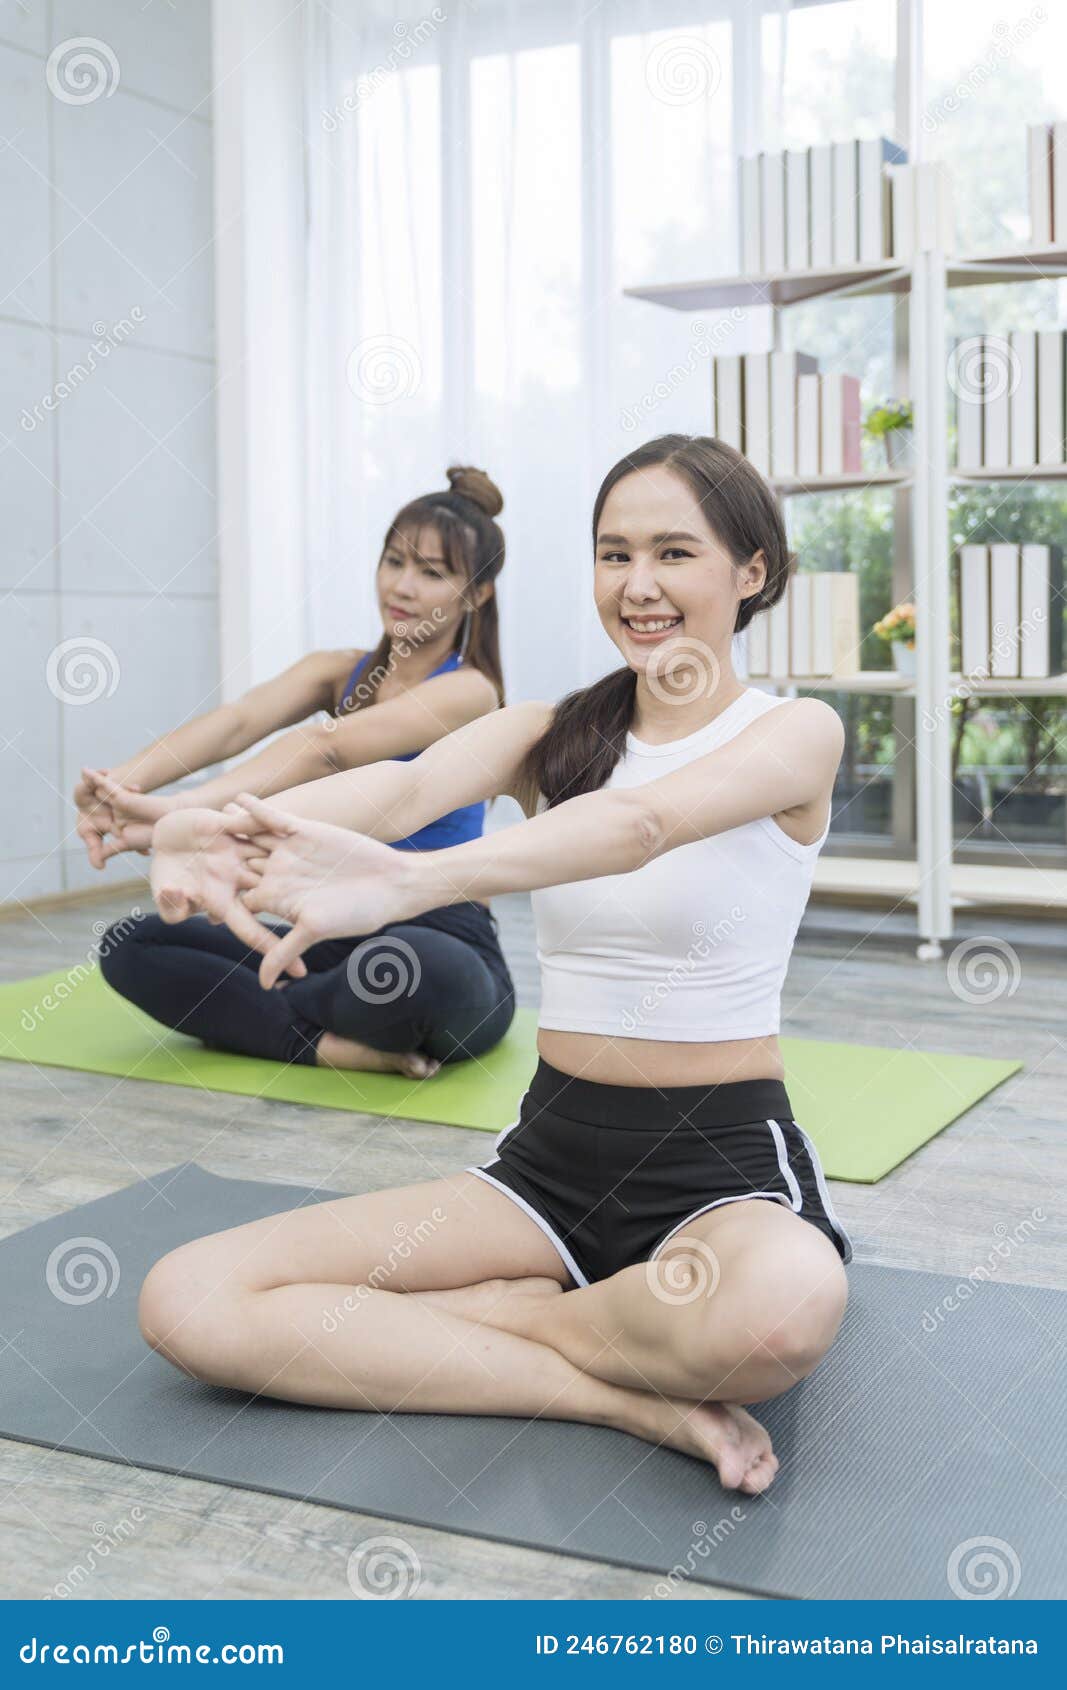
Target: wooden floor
{"type": "Point", "coordinates": [69, 1137]}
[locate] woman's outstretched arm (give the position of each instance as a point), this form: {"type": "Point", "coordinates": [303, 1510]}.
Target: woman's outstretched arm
{"type": "Point", "coordinates": [328, 882]}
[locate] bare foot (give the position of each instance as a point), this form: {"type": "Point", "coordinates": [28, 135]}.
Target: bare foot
{"type": "Point", "coordinates": [723, 1433]}
{"type": "Point", "coordinates": [335, 1052]}
{"type": "Point", "coordinates": [483, 1302]}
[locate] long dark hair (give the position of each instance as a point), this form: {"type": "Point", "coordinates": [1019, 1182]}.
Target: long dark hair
{"type": "Point", "coordinates": [587, 733]}
{"type": "Point", "coordinates": [473, 547]}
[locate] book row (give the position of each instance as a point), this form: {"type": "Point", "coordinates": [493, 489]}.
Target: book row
{"type": "Point", "coordinates": [845, 202]}
{"type": "Point", "coordinates": [786, 418]}
{"type": "Point", "coordinates": [1011, 610]}
{"type": "Point", "coordinates": [1010, 393]}
{"type": "Point", "coordinates": [1046, 156]}
{"type": "Point", "coordinates": [814, 629]}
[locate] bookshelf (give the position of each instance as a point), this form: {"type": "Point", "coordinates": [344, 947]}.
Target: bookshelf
{"type": "Point", "coordinates": [921, 501]}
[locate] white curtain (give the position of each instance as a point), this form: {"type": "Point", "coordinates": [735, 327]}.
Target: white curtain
{"type": "Point", "coordinates": [482, 187]}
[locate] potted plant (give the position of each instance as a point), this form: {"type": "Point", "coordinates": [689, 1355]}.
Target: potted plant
{"type": "Point", "coordinates": [892, 423]}
{"type": "Point", "coordinates": [897, 628]}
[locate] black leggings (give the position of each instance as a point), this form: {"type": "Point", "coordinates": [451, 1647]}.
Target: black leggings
{"type": "Point", "coordinates": [437, 984]}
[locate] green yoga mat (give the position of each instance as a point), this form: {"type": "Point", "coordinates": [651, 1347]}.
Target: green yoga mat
{"type": "Point", "coordinates": [866, 1107]}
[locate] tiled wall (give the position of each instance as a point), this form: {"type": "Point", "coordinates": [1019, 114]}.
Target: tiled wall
{"type": "Point", "coordinates": [108, 572]}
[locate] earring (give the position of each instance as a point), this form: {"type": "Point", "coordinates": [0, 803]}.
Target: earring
{"type": "Point", "coordinates": [466, 636]}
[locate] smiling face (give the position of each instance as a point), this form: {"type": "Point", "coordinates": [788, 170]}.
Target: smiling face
{"type": "Point", "coordinates": [419, 597]}
{"type": "Point", "coordinates": [662, 573]}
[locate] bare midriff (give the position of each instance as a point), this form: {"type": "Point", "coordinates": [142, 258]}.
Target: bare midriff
{"type": "Point", "coordinates": [660, 1062]}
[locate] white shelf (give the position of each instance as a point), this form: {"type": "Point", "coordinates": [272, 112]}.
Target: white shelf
{"type": "Point", "coordinates": [1012, 472]}
{"type": "Point", "coordinates": [786, 484]}
{"type": "Point", "coordinates": [892, 880]}
{"type": "Point", "coordinates": [783, 287]}
{"type": "Point", "coordinates": [1023, 264]}
{"type": "Point", "coordinates": [1044, 686]}
{"type": "Point", "coordinates": [864, 680]}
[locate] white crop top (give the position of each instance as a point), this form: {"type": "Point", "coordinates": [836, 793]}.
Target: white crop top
{"type": "Point", "coordinates": [694, 945]}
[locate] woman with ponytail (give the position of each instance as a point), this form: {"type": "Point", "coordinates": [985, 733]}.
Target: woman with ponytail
{"type": "Point", "coordinates": [650, 1245]}
{"type": "Point", "coordinates": [404, 997]}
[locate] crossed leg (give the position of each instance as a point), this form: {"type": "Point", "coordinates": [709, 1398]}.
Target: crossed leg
{"type": "Point", "coordinates": [418, 1299]}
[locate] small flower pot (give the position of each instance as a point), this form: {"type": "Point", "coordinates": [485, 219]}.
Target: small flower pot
{"type": "Point", "coordinates": [899, 449]}
{"type": "Point", "coordinates": [904, 658]}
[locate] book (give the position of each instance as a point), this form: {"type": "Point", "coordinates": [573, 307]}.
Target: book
{"type": "Point", "coordinates": [1004, 610]}
{"type": "Point", "coordinates": [785, 370]}
{"type": "Point", "coordinates": [757, 647]}
{"type": "Point", "coordinates": [974, 610]}
{"type": "Point", "coordinates": [873, 233]}
{"type": "Point", "coordinates": [835, 623]}
{"type": "Point", "coordinates": [778, 652]}
{"type": "Point", "coordinates": [748, 216]}
{"type": "Point", "coordinates": [1022, 397]}
{"type": "Point", "coordinates": [772, 212]}
{"type": "Point", "coordinates": [996, 365]}
{"type": "Point", "coordinates": [821, 206]}
{"type": "Point", "coordinates": [840, 426]}
{"type": "Point", "coordinates": [901, 210]}
{"type": "Point", "coordinates": [756, 402]}
{"type": "Point", "coordinates": [728, 408]}
{"type": "Point", "coordinates": [845, 241]}
{"type": "Point", "coordinates": [967, 358]}
{"type": "Point", "coordinates": [800, 625]}
{"type": "Point", "coordinates": [797, 244]}
{"type": "Point", "coordinates": [808, 456]}
{"type": "Point", "coordinates": [1039, 182]}
{"type": "Point", "coordinates": [1058, 166]}
{"type": "Point", "coordinates": [1050, 395]}
{"type": "Point", "coordinates": [934, 209]}
{"type": "Point", "coordinates": [1040, 611]}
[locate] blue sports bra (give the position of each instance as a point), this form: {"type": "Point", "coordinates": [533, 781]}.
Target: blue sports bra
{"type": "Point", "coordinates": [458, 825]}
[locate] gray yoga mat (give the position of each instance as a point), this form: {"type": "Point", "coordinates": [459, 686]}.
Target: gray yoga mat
{"type": "Point", "coordinates": [926, 1457]}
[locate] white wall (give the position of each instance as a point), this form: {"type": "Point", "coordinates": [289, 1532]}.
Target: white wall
{"type": "Point", "coordinates": [108, 571]}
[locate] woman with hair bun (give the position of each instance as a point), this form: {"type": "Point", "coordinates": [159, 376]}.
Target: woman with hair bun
{"type": "Point", "coordinates": [411, 995]}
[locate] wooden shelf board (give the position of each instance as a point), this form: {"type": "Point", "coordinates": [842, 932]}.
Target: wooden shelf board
{"type": "Point", "coordinates": [890, 879]}
{"type": "Point", "coordinates": [865, 680]}
{"type": "Point", "coordinates": [1022, 264]}
{"type": "Point", "coordinates": [786, 484]}
{"type": "Point", "coordinates": [785, 287]}
{"type": "Point", "coordinates": [1012, 472]}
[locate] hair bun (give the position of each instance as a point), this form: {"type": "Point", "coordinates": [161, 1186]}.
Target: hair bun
{"type": "Point", "coordinates": [475, 485]}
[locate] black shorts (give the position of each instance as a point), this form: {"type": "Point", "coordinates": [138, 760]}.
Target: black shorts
{"type": "Point", "coordinates": [609, 1173]}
